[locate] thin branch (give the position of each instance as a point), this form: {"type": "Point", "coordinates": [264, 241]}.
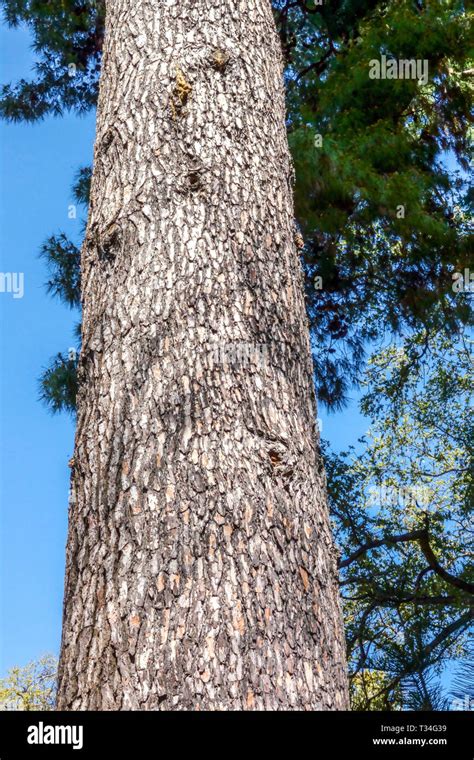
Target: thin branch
{"type": "Point", "coordinates": [414, 535]}
{"type": "Point", "coordinates": [457, 625]}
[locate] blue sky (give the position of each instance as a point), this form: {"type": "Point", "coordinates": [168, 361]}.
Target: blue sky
{"type": "Point", "coordinates": [38, 165]}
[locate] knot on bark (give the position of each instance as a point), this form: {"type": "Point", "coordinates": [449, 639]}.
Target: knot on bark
{"type": "Point", "coordinates": [191, 180]}
{"type": "Point", "coordinates": [219, 59]}
{"type": "Point", "coordinates": [109, 242]}
{"type": "Point", "coordinates": [105, 142]}
{"type": "Point", "coordinates": [180, 94]}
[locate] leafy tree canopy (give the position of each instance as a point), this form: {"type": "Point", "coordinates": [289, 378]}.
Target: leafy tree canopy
{"type": "Point", "coordinates": [403, 510]}
{"type": "Point", "coordinates": [32, 687]}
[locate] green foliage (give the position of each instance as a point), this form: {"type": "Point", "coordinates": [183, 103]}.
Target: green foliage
{"type": "Point", "coordinates": [67, 38]}
{"type": "Point", "coordinates": [463, 686]}
{"type": "Point", "coordinates": [58, 384]}
{"type": "Point", "coordinates": [370, 690]}
{"type": "Point", "coordinates": [384, 145]}
{"type": "Point", "coordinates": [409, 491]}
{"type": "Point", "coordinates": [32, 687]}
{"type": "Point", "coordinates": [82, 185]}
{"type": "Point", "coordinates": [63, 262]}
{"type": "Point", "coordinates": [423, 692]}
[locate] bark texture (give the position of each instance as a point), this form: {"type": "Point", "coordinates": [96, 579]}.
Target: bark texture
{"type": "Point", "coordinates": [201, 571]}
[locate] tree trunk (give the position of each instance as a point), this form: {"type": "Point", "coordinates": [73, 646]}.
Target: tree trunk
{"type": "Point", "coordinates": [201, 572]}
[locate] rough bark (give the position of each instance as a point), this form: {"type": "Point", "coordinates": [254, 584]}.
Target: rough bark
{"type": "Point", "coordinates": [200, 569]}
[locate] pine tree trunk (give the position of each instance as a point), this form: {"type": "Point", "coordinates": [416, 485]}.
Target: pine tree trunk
{"type": "Point", "coordinates": [201, 572]}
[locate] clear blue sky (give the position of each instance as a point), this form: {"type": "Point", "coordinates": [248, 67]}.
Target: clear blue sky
{"type": "Point", "coordinates": [38, 164]}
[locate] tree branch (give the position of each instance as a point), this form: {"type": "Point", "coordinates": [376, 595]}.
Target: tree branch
{"type": "Point", "coordinates": [414, 535]}
{"type": "Point", "coordinates": [422, 536]}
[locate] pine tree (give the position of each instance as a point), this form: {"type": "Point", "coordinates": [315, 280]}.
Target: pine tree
{"type": "Point", "coordinates": [201, 572]}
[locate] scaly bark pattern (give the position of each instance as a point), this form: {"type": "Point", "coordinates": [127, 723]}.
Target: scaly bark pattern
{"type": "Point", "coordinates": [200, 569]}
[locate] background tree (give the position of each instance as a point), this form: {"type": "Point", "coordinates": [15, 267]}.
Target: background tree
{"type": "Point", "coordinates": [32, 687]}
{"type": "Point", "coordinates": [407, 572]}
